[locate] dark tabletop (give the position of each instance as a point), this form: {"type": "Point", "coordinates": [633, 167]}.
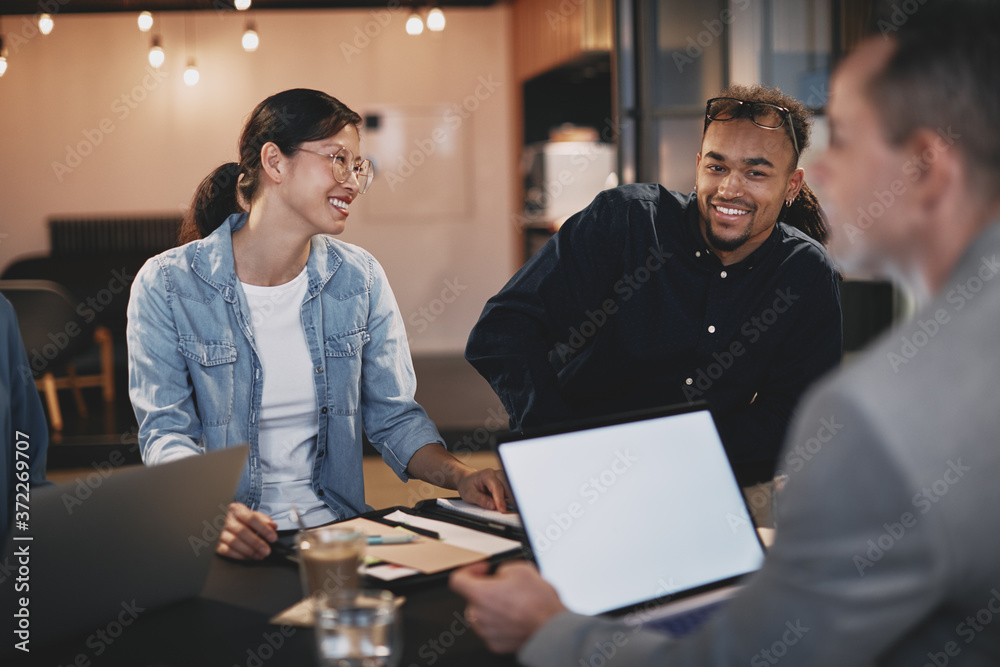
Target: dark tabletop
{"type": "Point", "coordinates": [227, 626]}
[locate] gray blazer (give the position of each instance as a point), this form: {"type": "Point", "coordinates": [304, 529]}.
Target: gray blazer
{"type": "Point", "coordinates": [888, 541]}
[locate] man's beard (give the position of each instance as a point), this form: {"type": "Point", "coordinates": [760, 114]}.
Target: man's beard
{"type": "Point", "coordinates": [727, 245]}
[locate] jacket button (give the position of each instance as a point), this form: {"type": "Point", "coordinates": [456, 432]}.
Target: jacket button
{"type": "Point", "coordinates": [320, 493]}
{"type": "Point", "coordinates": [320, 453]}
{"type": "Point", "coordinates": [323, 411]}
{"type": "Point", "coordinates": [319, 369]}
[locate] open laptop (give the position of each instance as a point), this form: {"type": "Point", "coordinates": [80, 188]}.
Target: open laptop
{"type": "Point", "coordinates": [103, 549]}
{"type": "Point", "coordinates": [639, 515]}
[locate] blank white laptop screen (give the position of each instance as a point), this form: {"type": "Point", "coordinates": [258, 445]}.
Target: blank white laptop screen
{"type": "Point", "coordinates": [623, 514]}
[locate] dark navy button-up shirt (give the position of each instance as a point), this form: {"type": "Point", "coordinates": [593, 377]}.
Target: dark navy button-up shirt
{"type": "Point", "coordinates": [626, 307]}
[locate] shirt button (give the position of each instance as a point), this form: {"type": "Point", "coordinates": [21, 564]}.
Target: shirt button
{"type": "Point", "coordinates": [711, 328]}
{"type": "Point", "coordinates": [723, 274]}
{"type": "Point", "coordinates": [697, 253]}
{"type": "Point", "coordinates": [320, 493]}
{"type": "Point", "coordinates": [319, 369]}
{"type": "Point", "coordinates": [689, 381]}
{"type": "Point", "coordinates": [320, 453]}
{"type": "Point", "coordinates": [323, 411]}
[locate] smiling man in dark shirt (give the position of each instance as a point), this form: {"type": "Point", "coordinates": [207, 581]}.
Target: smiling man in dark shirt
{"type": "Point", "coordinates": [650, 297]}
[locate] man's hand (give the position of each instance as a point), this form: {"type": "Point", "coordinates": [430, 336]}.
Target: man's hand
{"type": "Point", "coordinates": [486, 488]}
{"type": "Point", "coordinates": [507, 608]}
{"type": "Point", "coordinates": [246, 534]}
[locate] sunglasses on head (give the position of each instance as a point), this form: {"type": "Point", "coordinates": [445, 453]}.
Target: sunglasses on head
{"type": "Point", "coordinates": [762, 114]}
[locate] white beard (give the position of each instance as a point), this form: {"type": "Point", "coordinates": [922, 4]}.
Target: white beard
{"type": "Point", "coordinates": [858, 260]}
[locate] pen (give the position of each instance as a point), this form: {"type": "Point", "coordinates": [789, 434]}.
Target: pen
{"type": "Point", "coordinates": [391, 539]}
{"type": "Point", "coordinates": [406, 526]}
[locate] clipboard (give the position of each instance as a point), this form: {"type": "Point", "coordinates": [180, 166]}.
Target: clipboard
{"type": "Point", "coordinates": [428, 510]}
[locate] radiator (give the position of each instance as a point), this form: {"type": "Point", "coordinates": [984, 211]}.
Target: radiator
{"type": "Point", "coordinates": [78, 237]}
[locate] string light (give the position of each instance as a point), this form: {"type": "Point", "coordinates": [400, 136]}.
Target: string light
{"type": "Point", "coordinates": [435, 20]}
{"type": "Point", "coordinates": [414, 25]}
{"type": "Point", "coordinates": [191, 73]}
{"type": "Point", "coordinates": [242, 5]}
{"type": "Point", "coordinates": [145, 21]}
{"type": "Point", "coordinates": [45, 24]}
{"type": "Point", "coordinates": [156, 55]}
{"type": "Point", "coordinates": [250, 38]}
{"type": "Point", "coordinates": [3, 57]}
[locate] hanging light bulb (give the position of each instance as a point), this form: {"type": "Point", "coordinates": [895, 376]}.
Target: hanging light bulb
{"type": "Point", "coordinates": [3, 58]}
{"type": "Point", "coordinates": [145, 21]}
{"type": "Point", "coordinates": [156, 55]}
{"type": "Point", "coordinates": [435, 20]}
{"type": "Point", "coordinates": [191, 74]}
{"type": "Point", "coordinates": [242, 5]}
{"type": "Point", "coordinates": [250, 38]}
{"type": "Point", "coordinates": [45, 24]}
{"type": "Point", "coordinates": [414, 25]}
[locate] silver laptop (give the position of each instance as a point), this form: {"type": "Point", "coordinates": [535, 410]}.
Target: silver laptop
{"type": "Point", "coordinates": [102, 549]}
{"type": "Point", "coordinates": [640, 517]}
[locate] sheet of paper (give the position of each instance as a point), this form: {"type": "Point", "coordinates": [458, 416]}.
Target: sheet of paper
{"type": "Point", "coordinates": [426, 554]}
{"type": "Point", "coordinates": [511, 519]}
{"type": "Point", "coordinates": [303, 613]}
{"type": "Point", "coordinates": [389, 571]}
{"type": "Point", "coordinates": [459, 536]}
{"type": "Point", "coordinates": [766, 536]}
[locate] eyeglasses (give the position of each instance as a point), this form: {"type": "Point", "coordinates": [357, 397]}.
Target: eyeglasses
{"type": "Point", "coordinates": [763, 114]}
{"type": "Point", "coordinates": [343, 163]}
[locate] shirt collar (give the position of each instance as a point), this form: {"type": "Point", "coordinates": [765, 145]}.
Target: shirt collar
{"type": "Point", "coordinates": [980, 258]}
{"type": "Point", "coordinates": [213, 260]}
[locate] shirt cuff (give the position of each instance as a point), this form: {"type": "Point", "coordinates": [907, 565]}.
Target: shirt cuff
{"type": "Point", "coordinates": [407, 441]}
{"type": "Point", "coordinates": [569, 640]}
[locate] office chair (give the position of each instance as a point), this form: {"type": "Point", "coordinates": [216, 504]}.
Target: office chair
{"type": "Point", "coordinates": [54, 336]}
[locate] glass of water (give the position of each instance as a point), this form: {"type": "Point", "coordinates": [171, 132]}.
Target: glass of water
{"type": "Point", "coordinates": [358, 628]}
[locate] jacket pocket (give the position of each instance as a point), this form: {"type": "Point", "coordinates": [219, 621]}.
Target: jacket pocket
{"type": "Point", "coordinates": [212, 377]}
{"type": "Point", "coordinates": [343, 370]}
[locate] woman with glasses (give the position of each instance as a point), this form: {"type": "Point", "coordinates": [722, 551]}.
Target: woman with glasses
{"type": "Point", "coordinates": [263, 329]}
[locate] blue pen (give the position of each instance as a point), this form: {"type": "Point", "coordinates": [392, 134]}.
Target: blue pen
{"type": "Point", "coordinates": [391, 539]}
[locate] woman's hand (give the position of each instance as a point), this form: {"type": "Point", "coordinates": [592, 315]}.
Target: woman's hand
{"type": "Point", "coordinates": [247, 534]}
{"type": "Point", "coordinates": [486, 488]}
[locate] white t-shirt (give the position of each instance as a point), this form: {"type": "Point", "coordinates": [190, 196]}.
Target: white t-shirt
{"type": "Point", "coordinates": [289, 421]}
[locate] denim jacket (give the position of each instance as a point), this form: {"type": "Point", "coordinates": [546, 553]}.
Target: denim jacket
{"type": "Point", "coordinates": [195, 376]}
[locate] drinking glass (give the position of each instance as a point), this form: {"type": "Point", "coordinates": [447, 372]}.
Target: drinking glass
{"type": "Point", "coordinates": [357, 628]}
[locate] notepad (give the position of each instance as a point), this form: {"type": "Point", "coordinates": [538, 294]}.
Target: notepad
{"type": "Point", "coordinates": [426, 554]}
{"type": "Point", "coordinates": [458, 536]}
{"type": "Point", "coordinates": [512, 520]}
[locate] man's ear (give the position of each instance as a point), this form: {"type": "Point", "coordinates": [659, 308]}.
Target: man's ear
{"type": "Point", "coordinates": [933, 167]}
{"type": "Point", "coordinates": [794, 184]}
{"type": "Point", "coordinates": [273, 162]}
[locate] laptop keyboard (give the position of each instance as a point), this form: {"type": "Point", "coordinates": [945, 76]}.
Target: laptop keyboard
{"type": "Point", "coordinates": [686, 622]}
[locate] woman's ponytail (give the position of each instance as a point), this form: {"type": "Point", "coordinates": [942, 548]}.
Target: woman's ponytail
{"type": "Point", "coordinates": [214, 201]}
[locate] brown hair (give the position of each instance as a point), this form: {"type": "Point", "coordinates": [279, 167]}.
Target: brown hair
{"type": "Point", "coordinates": [805, 213]}
{"type": "Point", "coordinates": [943, 76]}
{"type": "Point", "coordinates": [288, 119]}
